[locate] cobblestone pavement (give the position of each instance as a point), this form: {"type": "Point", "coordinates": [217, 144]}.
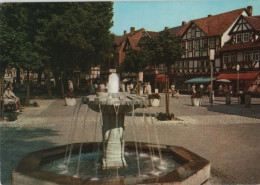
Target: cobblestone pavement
{"type": "Point", "coordinates": [228, 136]}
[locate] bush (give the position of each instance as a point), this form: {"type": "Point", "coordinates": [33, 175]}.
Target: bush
{"type": "Point", "coordinates": [164, 117]}
{"type": "Point", "coordinates": [154, 96]}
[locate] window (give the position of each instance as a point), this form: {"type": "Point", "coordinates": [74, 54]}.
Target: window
{"type": "Point", "coordinates": [233, 58]}
{"type": "Point", "coordinates": [186, 64]}
{"type": "Point", "coordinates": [246, 37]}
{"type": "Point", "coordinates": [239, 38]}
{"type": "Point", "coordinates": [226, 58]}
{"type": "Point", "coordinates": [190, 46]}
{"type": "Point", "coordinates": [204, 43]}
{"type": "Point", "coordinates": [183, 45]}
{"type": "Point", "coordinates": [193, 32]}
{"type": "Point", "coordinates": [197, 45]}
{"type": "Point", "coordinates": [212, 43]}
{"type": "Point", "coordinates": [181, 64]}
{"type": "Point", "coordinates": [255, 55]}
{"type": "Point", "coordinates": [247, 56]}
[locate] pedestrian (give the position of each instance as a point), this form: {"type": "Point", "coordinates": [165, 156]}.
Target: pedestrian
{"type": "Point", "coordinates": [173, 89]}
{"type": "Point", "coordinates": [70, 86]}
{"type": "Point", "coordinates": [122, 87]}
{"type": "Point", "coordinates": [149, 88]}
{"type": "Point", "coordinates": [102, 87]}
{"type": "Point", "coordinates": [193, 89]}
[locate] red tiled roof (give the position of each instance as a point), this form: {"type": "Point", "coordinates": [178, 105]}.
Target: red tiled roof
{"type": "Point", "coordinates": [134, 39]}
{"type": "Point", "coordinates": [176, 30]}
{"type": "Point", "coordinates": [256, 16]}
{"type": "Point", "coordinates": [255, 22]}
{"type": "Point", "coordinates": [240, 46]}
{"type": "Point", "coordinates": [242, 76]}
{"type": "Point", "coordinates": [152, 33]}
{"type": "Point", "coordinates": [215, 24]}
{"type": "Point", "coordinates": [119, 39]}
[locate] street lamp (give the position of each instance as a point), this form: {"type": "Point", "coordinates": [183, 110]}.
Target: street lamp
{"type": "Point", "coordinates": [211, 58]}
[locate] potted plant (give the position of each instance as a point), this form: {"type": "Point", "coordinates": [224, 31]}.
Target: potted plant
{"type": "Point", "coordinates": [70, 98]}
{"type": "Point", "coordinates": [196, 99]}
{"type": "Point", "coordinates": [154, 100]}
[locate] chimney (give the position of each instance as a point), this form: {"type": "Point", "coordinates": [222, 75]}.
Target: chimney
{"type": "Point", "coordinates": [125, 32]}
{"type": "Point", "coordinates": [166, 28]}
{"type": "Point", "coordinates": [249, 10]}
{"type": "Point", "coordinates": [183, 23]}
{"type": "Point", "coordinates": [209, 15]}
{"type": "Point", "coordinates": [132, 30]}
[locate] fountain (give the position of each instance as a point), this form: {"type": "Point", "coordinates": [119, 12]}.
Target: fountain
{"type": "Point", "coordinates": [177, 166]}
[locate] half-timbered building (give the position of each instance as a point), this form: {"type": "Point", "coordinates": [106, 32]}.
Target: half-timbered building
{"type": "Point", "coordinates": [241, 53]}
{"type": "Point", "coordinates": [198, 38]}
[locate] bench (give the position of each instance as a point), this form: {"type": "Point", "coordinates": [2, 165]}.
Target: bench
{"type": "Point", "coordinates": [9, 106]}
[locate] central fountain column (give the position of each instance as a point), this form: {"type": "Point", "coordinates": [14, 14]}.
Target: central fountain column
{"type": "Point", "coordinates": [113, 106]}
{"type": "Point", "coordinates": [113, 140]}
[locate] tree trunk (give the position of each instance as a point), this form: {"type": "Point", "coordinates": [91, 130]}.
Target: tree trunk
{"type": "Point", "coordinates": [48, 81]}
{"type": "Point", "coordinates": [28, 89]}
{"type": "Point", "coordinates": [62, 85]}
{"type": "Point", "coordinates": [18, 75]}
{"type": "Point", "coordinates": [1, 97]}
{"type": "Point", "coordinates": [167, 91]}
{"type": "Point", "coordinates": [39, 79]}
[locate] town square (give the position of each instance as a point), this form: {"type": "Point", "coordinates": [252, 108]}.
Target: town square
{"type": "Point", "coordinates": [130, 92]}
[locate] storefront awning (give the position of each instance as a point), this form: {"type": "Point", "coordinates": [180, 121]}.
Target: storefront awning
{"type": "Point", "coordinates": [199, 80]}
{"type": "Point", "coordinates": [160, 78]}
{"type": "Point", "coordinates": [242, 76]}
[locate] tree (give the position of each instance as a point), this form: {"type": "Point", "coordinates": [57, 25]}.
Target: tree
{"type": "Point", "coordinates": [165, 49]}
{"type": "Point", "coordinates": [135, 62]}
{"type": "Point", "coordinates": [75, 35]}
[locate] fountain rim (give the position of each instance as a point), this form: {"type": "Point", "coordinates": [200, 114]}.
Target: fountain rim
{"type": "Point", "coordinates": [29, 165]}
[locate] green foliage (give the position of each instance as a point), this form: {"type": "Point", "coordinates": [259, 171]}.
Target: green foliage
{"type": "Point", "coordinates": [164, 49]}
{"type": "Point", "coordinates": [16, 38]}
{"type": "Point", "coordinates": [164, 117]}
{"type": "Point", "coordinates": [57, 35]}
{"type": "Point", "coordinates": [135, 61]}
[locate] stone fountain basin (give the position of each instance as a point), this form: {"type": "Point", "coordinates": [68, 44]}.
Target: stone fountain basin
{"type": "Point", "coordinates": [193, 169]}
{"type": "Point", "coordinates": [108, 101]}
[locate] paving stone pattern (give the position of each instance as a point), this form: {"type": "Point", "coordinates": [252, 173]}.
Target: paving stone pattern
{"type": "Point", "coordinates": [228, 136]}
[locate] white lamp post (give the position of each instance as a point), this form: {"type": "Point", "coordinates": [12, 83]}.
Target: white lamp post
{"type": "Point", "coordinates": [211, 58]}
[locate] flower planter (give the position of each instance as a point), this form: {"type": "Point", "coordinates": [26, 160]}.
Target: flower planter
{"type": "Point", "coordinates": [196, 101]}
{"type": "Point", "coordinates": [154, 102]}
{"type": "Point", "coordinates": [70, 101]}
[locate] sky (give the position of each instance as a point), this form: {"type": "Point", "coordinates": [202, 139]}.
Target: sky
{"type": "Point", "coordinates": [156, 15]}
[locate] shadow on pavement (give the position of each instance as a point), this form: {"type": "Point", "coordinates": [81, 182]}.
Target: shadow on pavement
{"type": "Point", "coordinates": [240, 110]}
{"type": "Point", "coordinates": [16, 143]}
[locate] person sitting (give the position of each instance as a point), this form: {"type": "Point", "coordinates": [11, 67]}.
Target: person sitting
{"type": "Point", "coordinates": [9, 97]}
